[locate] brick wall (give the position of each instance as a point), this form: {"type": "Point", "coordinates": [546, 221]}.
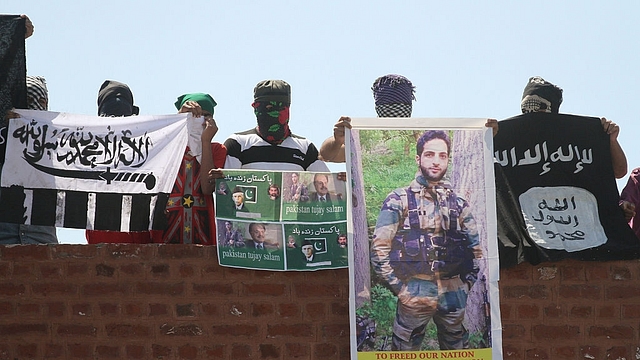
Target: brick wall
{"type": "Point", "coordinates": [175, 302]}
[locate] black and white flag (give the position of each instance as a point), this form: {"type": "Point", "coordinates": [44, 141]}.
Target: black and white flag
{"type": "Point", "coordinates": [556, 192]}
{"type": "Point", "coordinates": [98, 173]}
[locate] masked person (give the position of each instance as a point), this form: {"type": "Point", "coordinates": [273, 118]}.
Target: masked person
{"type": "Point", "coordinates": [271, 145]}
{"type": "Point", "coordinates": [425, 245]}
{"type": "Point", "coordinates": [37, 99]}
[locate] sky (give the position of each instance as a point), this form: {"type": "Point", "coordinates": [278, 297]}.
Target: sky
{"type": "Point", "coordinates": [466, 58]}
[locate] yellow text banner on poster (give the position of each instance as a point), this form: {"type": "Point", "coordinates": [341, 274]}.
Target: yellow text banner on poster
{"type": "Point", "coordinates": [475, 354]}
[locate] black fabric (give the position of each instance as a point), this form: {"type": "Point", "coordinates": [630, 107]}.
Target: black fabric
{"type": "Point", "coordinates": [546, 90]}
{"type": "Point", "coordinates": [13, 71]}
{"type": "Point", "coordinates": [521, 133]}
{"type": "Point", "coordinates": [115, 99]}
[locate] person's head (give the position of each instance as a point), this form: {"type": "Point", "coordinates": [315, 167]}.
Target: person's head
{"type": "Point", "coordinates": [321, 183]}
{"type": "Point", "coordinates": [37, 94]}
{"type": "Point", "coordinates": [274, 191]}
{"type": "Point", "coordinates": [540, 96]}
{"type": "Point", "coordinates": [307, 248]}
{"type": "Point", "coordinates": [271, 101]}
{"type": "Point", "coordinates": [227, 224]}
{"type": "Point", "coordinates": [393, 96]}
{"type": "Point", "coordinates": [432, 154]}
{"type": "Point", "coordinates": [342, 240]}
{"type": "Point", "coordinates": [116, 99]}
{"type": "Point", "coordinates": [295, 177]}
{"type": "Point", "coordinates": [291, 241]}
{"type": "Point", "coordinates": [205, 101]}
{"type": "Point", "coordinates": [257, 232]}
{"type": "Point", "coordinates": [222, 186]}
{"type": "Point", "coordinates": [238, 196]}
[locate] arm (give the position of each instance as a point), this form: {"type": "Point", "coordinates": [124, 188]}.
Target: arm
{"type": "Point", "coordinates": [383, 235]}
{"type": "Point", "coordinates": [207, 181]}
{"type": "Point", "coordinates": [28, 26]}
{"type": "Point", "coordinates": [618, 158]}
{"type": "Point", "coordinates": [493, 124]}
{"type": "Point", "coordinates": [332, 149]}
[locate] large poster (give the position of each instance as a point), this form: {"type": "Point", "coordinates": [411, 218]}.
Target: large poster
{"type": "Point", "coordinates": [557, 193]}
{"type": "Point", "coordinates": [269, 220]}
{"type": "Point", "coordinates": [98, 173]}
{"type": "Point", "coordinates": [424, 262]}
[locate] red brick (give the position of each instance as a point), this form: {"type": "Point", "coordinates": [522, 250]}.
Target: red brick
{"type": "Point", "coordinates": [573, 272]}
{"type": "Point", "coordinates": [105, 289]}
{"type": "Point", "coordinates": [554, 311]}
{"type": "Point", "coordinates": [597, 271]}
{"type": "Point", "coordinates": [333, 331]}
{"type": "Point", "coordinates": [21, 329]}
{"type": "Point", "coordinates": [8, 289]}
{"type": "Point", "coordinates": [105, 352]}
{"type": "Point", "coordinates": [185, 310]}
{"type": "Point", "coordinates": [263, 309]}
{"type": "Point", "coordinates": [6, 308]}
{"type": "Point", "coordinates": [592, 292]}
{"type": "Point", "coordinates": [5, 352]}
{"type": "Point", "coordinates": [511, 353]}
{"type": "Point", "coordinates": [263, 289]}
{"type": "Point", "coordinates": [340, 309]}
{"type": "Point", "coordinates": [565, 352]}
{"type": "Point", "coordinates": [132, 269]}
{"type": "Point", "coordinates": [315, 311]}
{"type": "Point", "coordinates": [235, 330]}
{"type": "Point", "coordinates": [81, 310]}
{"type": "Point", "coordinates": [210, 309]}
{"type": "Point", "coordinates": [630, 311]}
{"type": "Point", "coordinates": [160, 288]}
{"type": "Point", "coordinates": [50, 271]}
{"type": "Point", "coordinates": [622, 292]}
{"type": "Point", "coordinates": [289, 330]}
{"type": "Point", "coordinates": [187, 352]}
{"type": "Point", "coordinates": [74, 269]}
{"type": "Point", "coordinates": [27, 351]}
{"type": "Point", "coordinates": [213, 289]}
{"type": "Point", "coordinates": [56, 288]}
{"type": "Point", "coordinates": [530, 292]}
{"type": "Point", "coordinates": [581, 311]}
{"type": "Point", "coordinates": [77, 330]}
{"type": "Point", "coordinates": [186, 270]}
{"type": "Point", "coordinates": [613, 332]}
{"type": "Point", "coordinates": [619, 273]}
{"type": "Point", "coordinates": [561, 332]}
{"type": "Point", "coordinates": [128, 251]}
{"type": "Point", "coordinates": [608, 312]}
{"type": "Point", "coordinates": [316, 291]}
{"type": "Point", "coordinates": [538, 354]}
{"type": "Point", "coordinates": [520, 272]}
{"type": "Point", "coordinates": [590, 352]}
{"type": "Point", "coordinates": [158, 309]}
{"type": "Point", "coordinates": [65, 251]}
{"type": "Point", "coordinates": [161, 270]}
{"type": "Point", "coordinates": [269, 351]}
{"type": "Point", "coordinates": [160, 351]}
{"type": "Point", "coordinates": [619, 352]}
{"type": "Point", "coordinates": [52, 351]}
{"type": "Point", "coordinates": [27, 269]}
{"type": "Point", "coordinates": [80, 351]}
{"type": "Point", "coordinates": [105, 270]}
{"type": "Point", "coordinates": [135, 351]}
{"type": "Point", "coordinates": [181, 330]}
{"type": "Point", "coordinates": [505, 311]}
{"type": "Point", "coordinates": [511, 331]}
{"type": "Point", "coordinates": [325, 351]}
{"type": "Point", "coordinates": [5, 270]}
{"type": "Point", "coordinates": [296, 350]}
{"type": "Point", "coordinates": [28, 309]}
{"type": "Point", "coordinates": [214, 351]}
{"type": "Point", "coordinates": [135, 310]}
{"type": "Point", "coordinates": [25, 252]}
{"type": "Point", "coordinates": [181, 251]}
{"type": "Point", "coordinates": [287, 310]}
{"type": "Point", "coordinates": [55, 309]}
{"type": "Point", "coordinates": [208, 271]}
{"type": "Point", "coordinates": [125, 330]}
{"type": "Point", "coordinates": [528, 311]}
{"type": "Point", "coordinates": [108, 309]}
{"type": "Point", "coordinates": [239, 351]}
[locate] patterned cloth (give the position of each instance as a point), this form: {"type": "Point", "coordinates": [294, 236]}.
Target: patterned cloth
{"type": "Point", "coordinates": [36, 90]}
{"type": "Point", "coordinates": [541, 95]}
{"type": "Point", "coordinates": [394, 110]}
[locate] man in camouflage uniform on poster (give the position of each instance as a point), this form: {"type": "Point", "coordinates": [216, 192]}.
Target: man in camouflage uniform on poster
{"type": "Point", "coordinates": [425, 247]}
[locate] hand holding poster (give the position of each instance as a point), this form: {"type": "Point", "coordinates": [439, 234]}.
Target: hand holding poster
{"type": "Point", "coordinates": [423, 223]}
{"type": "Point", "coordinates": [281, 220]}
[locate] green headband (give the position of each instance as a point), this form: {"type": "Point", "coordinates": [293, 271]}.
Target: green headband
{"type": "Point", "coordinates": [205, 100]}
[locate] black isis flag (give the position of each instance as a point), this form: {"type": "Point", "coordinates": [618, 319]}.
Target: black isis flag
{"type": "Point", "coordinates": [556, 192]}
